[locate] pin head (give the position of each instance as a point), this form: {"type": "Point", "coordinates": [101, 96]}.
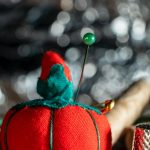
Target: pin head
{"type": "Point", "coordinates": [89, 39]}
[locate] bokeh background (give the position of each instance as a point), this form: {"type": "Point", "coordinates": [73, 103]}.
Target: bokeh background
{"type": "Point", "coordinates": [120, 56]}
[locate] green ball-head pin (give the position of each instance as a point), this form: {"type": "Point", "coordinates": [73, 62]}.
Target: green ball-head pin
{"type": "Point", "coordinates": [89, 39]}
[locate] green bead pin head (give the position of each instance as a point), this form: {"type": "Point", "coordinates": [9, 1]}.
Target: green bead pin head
{"type": "Point", "coordinates": [89, 39]}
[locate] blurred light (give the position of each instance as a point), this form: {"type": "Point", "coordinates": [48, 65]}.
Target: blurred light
{"type": "Point", "coordinates": [90, 70]}
{"type": "Point", "coordinates": [31, 82]}
{"type": "Point", "coordinates": [86, 30]}
{"type": "Point", "coordinates": [25, 85]}
{"type": "Point", "coordinates": [66, 4]}
{"type": "Point", "coordinates": [120, 26]}
{"type": "Point", "coordinates": [91, 14]}
{"type": "Point", "coordinates": [123, 8]}
{"type": "Point", "coordinates": [75, 71]}
{"type": "Point", "coordinates": [63, 40]}
{"type": "Point", "coordinates": [85, 99]}
{"type": "Point", "coordinates": [108, 88]}
{"type": "Point", "coordinates": [145, 11]}
{"type": "Point", "coordinates": [63, 17]}
{"type": "Point", "coordinates": [80, 4]}
{"type": "Point", "coordinates": [33, 14]}
{"type": "Point", "coordinates": [24, 50]}
{"type": "Point", "coordinates": [134, 10]}
{"type": "Point", "coordinates": [15, 1]}
{"type": "Point", "coordinates": [140, 75]}
{"type": "Point", "coordinates": [103, 14]}
{"type": "Point", "coordinates": [125, 53]}
{"type": "Point", "coordinates": [110, 72]}
{"type": "Point", "coordinates": [148, 69]}
{"type": "Point", "coordinates": [142, 59]}
{"type": "Point", "coordinates": [72, 54]}
{"type": "Point", "coordinates": [110, 56]}
{"type": "Point", "coordinates": [57, 29]}
{"type": "Point", "coordinates": [123, 39]}
{"type": "Point", "coordinates": [2, 97]}
{"type": "Point", "coordinates": [138, 29]}
{"type": "Point", "coordinates": [19, 84]}
{"type": "Point", "coordinates": [133, 6]}
{"type": "Point", "coordinates": [98, 91]}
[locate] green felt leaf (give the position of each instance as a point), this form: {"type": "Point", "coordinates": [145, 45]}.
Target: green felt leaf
{"type": "Point", "coordinates": [55, 103]}
{"type": "Point", "coordinates": [56, 85]}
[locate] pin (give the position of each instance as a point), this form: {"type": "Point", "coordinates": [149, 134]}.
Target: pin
{"type": "Point", "coordinates": [88, 39]}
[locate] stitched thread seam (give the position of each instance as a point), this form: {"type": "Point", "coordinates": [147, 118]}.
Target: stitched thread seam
{"type": "Point", "coordinates": [51, 129]}
{"type": "Point", "coordinates": [6, 127]}
{"type": "Point", "coordinates": [96, 127]}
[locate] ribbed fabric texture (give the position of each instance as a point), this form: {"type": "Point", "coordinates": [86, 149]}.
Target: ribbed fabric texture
{"type": "Point", "coordinates": [73, 129]}
{"type": "Point", "coordinates": [28, 130]}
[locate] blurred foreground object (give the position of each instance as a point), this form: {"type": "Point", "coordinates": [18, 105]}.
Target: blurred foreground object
{"type": "Point", "coordinates": [129, 107]}
{"type": "Point", "coordinates": [141, 139]}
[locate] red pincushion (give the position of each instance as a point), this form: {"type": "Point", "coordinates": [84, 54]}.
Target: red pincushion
{"type": "Point", "coordinates": [73, 129]}
{"type": "Point", "coordinates": [58, 123]}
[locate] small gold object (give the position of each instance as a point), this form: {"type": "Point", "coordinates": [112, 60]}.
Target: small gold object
{"type": "Point", "coordinates": [107, 106]}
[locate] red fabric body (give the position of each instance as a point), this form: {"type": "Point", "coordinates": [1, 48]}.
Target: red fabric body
{"type": "Point", "coordinates": [76, 130]}
{"type": "Point", "coordinates": [3, 129]}
{"type": "Point", "coordinates": [73, 129]}
{"type": "Point", "coordinates": [104, 129]}
{"type": "Point", "coordinates": [49, 59]}
{"type": "Point", "coordinates": [28, 130]}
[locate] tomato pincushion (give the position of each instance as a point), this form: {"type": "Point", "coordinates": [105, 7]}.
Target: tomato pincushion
{"type": "Point", "coordinates": [55, 122]}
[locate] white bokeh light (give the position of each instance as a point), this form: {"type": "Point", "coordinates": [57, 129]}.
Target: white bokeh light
{"type": "Point", "coordinates": [120, 26]}
{"type": "Point", "coordinates": [2, 97]}
{"type": "Point", "coordinates": [138, 29]}
{"type": "Point", "coordinates": [86, 30]}
{"type": "Point", "coordinates": [90, 70]}
{"type": "Point", "coordinates": [57, 29]}
{"type": "Point", "coordinates": [63, 17]}
{"type": "Point", "coordinates": [72, 54]}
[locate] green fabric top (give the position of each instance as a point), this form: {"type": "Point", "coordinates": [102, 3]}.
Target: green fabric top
{"type": "Point", "coordinates": [56, 85]}
{"type": "Point", "coordinates": [56, 90]}
{"type": "Point", "coordinates": [55, 104]}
